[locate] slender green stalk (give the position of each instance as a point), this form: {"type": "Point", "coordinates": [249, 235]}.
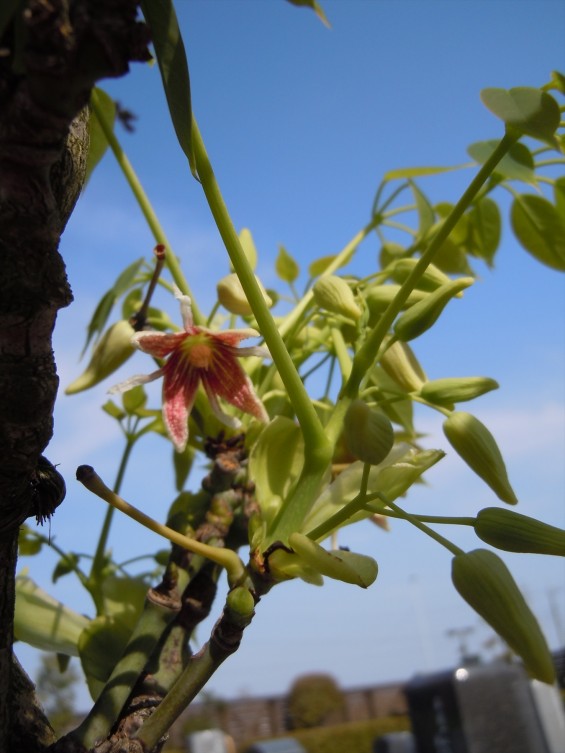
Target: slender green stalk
{"type": "Point", "coordinates": [224, 557]}
{"type": "Point", "coordinates": [312, 429]}
{"type": "Point", "coordinates": [422, 527]}
{"type": "Point", "coordinates": [342, 353]}
{"type": "Point", "coordinates": [144, 204]}
{"type": "Point", "coordinates": [366, 355]}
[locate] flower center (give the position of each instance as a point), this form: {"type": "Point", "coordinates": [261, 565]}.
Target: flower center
{"type": "Point", "coordinates": [198, 351]}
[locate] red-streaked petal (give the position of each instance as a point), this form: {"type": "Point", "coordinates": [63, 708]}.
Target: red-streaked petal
{"type": "Point", "coordinates": [228, 380]}
{"type": "Point", "coordinates": [158, 344]}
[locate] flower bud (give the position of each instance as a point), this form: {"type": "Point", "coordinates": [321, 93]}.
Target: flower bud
{"type": "Point", "coordinates": [368, 433]}
{"type": "Point", "coordinates": [484, 581]}
{"type": "Point", "coordinates": [474, 443]}
{"type": "Point", "coordinates": [348, 567]}
{"type": "Point", "coordinates": [421, 316]}
{"type": "Point", "coordinates": [432, 278]}
{"type": "Point", "coordinates": [334, 294]}
{"type": "Point", "coordinates": [456, 389]}
{"type": "Point", "coordinates": [401, 364]}
{"type": "Point", "coordinates": [512, 532]}
{"type": "Point", "coordinates": [241, 604]}
{"type": "Point", "coordinates": [378, 297]}
{"type": "Point", "coordinates": [232, 297]}
{"type": "Point", "coordinates": [111, 351]}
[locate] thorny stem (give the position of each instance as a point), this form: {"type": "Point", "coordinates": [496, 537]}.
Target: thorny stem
{"type": "Point", "coordinates": [144, 203]}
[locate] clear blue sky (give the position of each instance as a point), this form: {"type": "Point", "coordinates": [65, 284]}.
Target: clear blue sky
{"type": "Point", "coordinates": [301, 123]}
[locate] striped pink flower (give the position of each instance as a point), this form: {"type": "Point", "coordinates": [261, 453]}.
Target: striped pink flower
{"type": "Point", "coordinates": [198, 356]}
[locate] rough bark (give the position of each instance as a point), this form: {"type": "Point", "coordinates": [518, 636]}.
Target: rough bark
{"type": "Point", "coordinates": [51, 54]}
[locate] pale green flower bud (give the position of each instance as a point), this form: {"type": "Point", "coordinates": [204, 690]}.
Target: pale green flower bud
{"type": "Point", "coordinates": [456, 389]}
{"type": "Point", "coordinates": [348, 567]}
{"type": "Point", "coordinates": [486, 584]}
{"type": "Point", "coordinates": [368, 433]}
{"type": "Point", "coordinates": [401, 364]}
{"type": "Point", "coordinates": [421, 316]}
{"type": "Point", "coordinates": [378, 297]}
{"type": "Point", "coordinates": [240, 604]}
{"type": "Point", "coordinates": [432, 278]}
{"type": "Point", "coordinates": [512, 532]}
{"type": "Point", "coordinates": [232, 297]}
{"type": "Point", "coordinates": [334, 294]}
{"type": "Point", "coordinates": [477, 447]}
{"type": "Point", "coordinates": [111, 351]}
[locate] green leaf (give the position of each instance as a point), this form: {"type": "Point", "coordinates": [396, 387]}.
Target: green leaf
{"type": "Point", "coordinates": [44, 622]}
{"type": "Point", "coordinates": [28, 543]}
{"type": "Point", "coordinates": [286, 267]}
{"type": "Point", "coordinates": [113, 410]}
{"type": "Point", "coordinates": [67, 564]}
{"type": "Point", "coordinates": [98, 141]}
{"type": "Point", "coordinates": [426, 215]}
{"type": "Point", "coordinates": [182, 462]}
{"type": "Point", "coordinates": [484, 229]}
{"type": "Point", "coordinates": [517, 163]}
{"type": "Point", "coordinates": [275, 462]}
{"type": "Point", "coordinates": [417, 172]}
{"type": "Point", "coordinates": [320, 265]}
{"type": "Point", "coordinates": [171, 57]}
{"type": "Point", "coordinates": [558, 81]}
{"type": "Point", "coordinates": [100, 647]}
{"type": "Point", "coordinates": [540, 229]}
{"type": "Point", "coordinates": [133, 400]}
{"type": "Point", "coordinates": [316, 7]}
{"type": "Point", "coordinates": [106, 303]}
{"type": "Point", "coordinates": [559, 194]}
{"type": "Point", "coordinates": [529, 111]}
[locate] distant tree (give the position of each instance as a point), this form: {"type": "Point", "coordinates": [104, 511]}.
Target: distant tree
{"type": "Point", "coordinates": [55, 687]}
{"type": "Point", "coordinates": [312, 698]}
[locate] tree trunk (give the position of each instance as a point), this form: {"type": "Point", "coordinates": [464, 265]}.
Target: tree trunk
{"type": "Point", "coordinates": [51, 54]}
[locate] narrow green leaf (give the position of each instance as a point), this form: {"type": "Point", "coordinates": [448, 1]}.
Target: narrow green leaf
{"type": "Point", "coordinates": [316, 7]}
{"type": "Point", "coordinates": [417, 172]}
{"type": "Point", "coordinates": [64, 566]}
{"type": "Point", "coordinates": [559, 194]}
{"type": "Point", "coordinates": [286, 267]}
{"type": "Point", "coordinates": [171, 57]}
{"type": "Point", "coordinates": [182, 462]}
{"type": "Point", "coordinates": [98, 141]}
{"type": "Point", "coordinates": [426, 214]}
{"type": "Point", "coordinates": [540, 229]}
{"type": "Point", "coordinates": [248, 246]}
{"type": "Point", "coordinates": [517, 164]}
{"type": "Point", "coordinates": [530, 111]}
{"type": "Point", "coordinates": [106, 303]}
{"type": "Point", "coordinates": [113, 410]}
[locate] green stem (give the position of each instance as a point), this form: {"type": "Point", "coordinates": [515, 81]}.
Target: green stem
{"type": "Point", "coordinates": [347, 511]}
{"type": "Point", "coordinates": [455, 550]}
{"type": "Point", "coordinates": [314, 437]}
{"type": "Point", "coordinates": [226, 558]}
{"type": "Point", "coordinates": [343, 357]}
{"type": "Point", "coordinates": [144, 203]}
{"type": "Point", "coordinates": [366, 355]}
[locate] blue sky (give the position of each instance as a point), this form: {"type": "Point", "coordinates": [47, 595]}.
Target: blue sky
{"type": "Point", "coordinates": [301, 122]}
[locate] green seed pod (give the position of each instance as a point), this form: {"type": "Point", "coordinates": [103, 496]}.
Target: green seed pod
{"type": "Point", "coordinates": [368, 433]}
{"type": "Point", "coordinates": [431, 280]}
{"type": "Point", "coordinates": [401, 364]}
{"type": "Point", "coordinates": [456, 389]}
{"type": "Point", "coordinates": [232, 297]}
{"type": "Point", "coordinates": [421, 316]}
{"type": "Point", "coordinates": [334, 294]}
{"type": "Point", "coordinates": [512, 532]}
{"type": "Point", "coordinates": [474, 443]}
{"type": "Point", "coordinates": [378, 297]}
{"type": "Point", "coordinates": [484, 581]}
{"type": "Point", "coordinates": [111, 351]}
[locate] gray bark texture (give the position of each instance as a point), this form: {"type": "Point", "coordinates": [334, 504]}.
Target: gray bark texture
{"type": "Point", "coordinates": [52, 52]}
